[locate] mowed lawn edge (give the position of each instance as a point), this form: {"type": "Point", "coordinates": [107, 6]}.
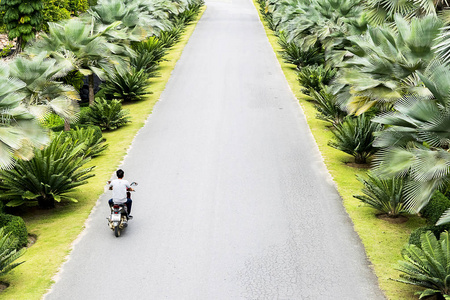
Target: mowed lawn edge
{"type": "Point", "coordinates": [57, 229]}
{"type": "Point", "coordinates": [382, 240]}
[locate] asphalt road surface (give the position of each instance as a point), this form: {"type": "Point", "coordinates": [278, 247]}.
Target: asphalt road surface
{"type": "Point", "coordinates": [233, 201]}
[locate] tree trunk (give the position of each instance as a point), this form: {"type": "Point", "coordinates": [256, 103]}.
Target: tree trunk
{"type": "Point", "coordinates": [66, 125]}
{"type": "Point", "coordinates": [19, 46]}
{"type": "Point", "coordinates": [91, 89]}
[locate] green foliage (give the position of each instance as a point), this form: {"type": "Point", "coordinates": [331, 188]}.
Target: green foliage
{"type": "Point", "coordinates": [91, 137]}
{"type": "Point", "coordinates": [172, 36]}
{"type": "Point", "coordinates": [53, 172]}
{"type": "Point", "coordinates": [74, 78]}
{"type": "Point", "coordinates": [149, 54]}
{"type": "Point", "coordinates": [293, 53]}
{"type": "Point", "coordinates": [108, 115]}
{"type": "Point", "coordinates": [427, 265]}
{"type": "Point", "coordinates": [386, 61]}
{"type": "Point", "coordinates": [7, 252]}
{"type": "Point", "coordinates": [385, 195]}
{"type": "Point", "coordinates": [22, 18]}
{"type": "Point", "coordinates": [327, 107]}
{"type": "Point", "coordinates": [314, 77]}
{"type": "Point", "coordinates": [6, 50]}
{"type": "Point", "coordinates": [437, 205]}
{"type": "Point", "coordinates": [355, 136]}
{"type": "Point", "coordinates": [126, 85]}
{"type": "Point", "coordinates": [54, 11]}
{"type": "Point", "coordinates": [52, 120]}
{"type": "Point", "coordinates": [414, 238]}
{"type": "Point", "coordinates": [16, 226]}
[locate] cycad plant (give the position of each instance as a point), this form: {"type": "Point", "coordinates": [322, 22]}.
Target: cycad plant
{"type": "Point", "coordinates": [314, 77]}
{"type": "Point", "coordinates": [293, 53]}
{"type": "Point", "coordinates": [8, 252]}
{"type": "Point", "coordinates": [385, 195]}
{"type": "Point", "coordinates": [94, 143]}
{"type": "Point", "coordinates": [49, 176]}
{"type": "Point", "coordinates": [327, 106]}
{"type": "Point", "coordinates": [427, 266]}
{"type": "Point", "coordinates": [355, 136]}
{"type": "Point", "coordinates": [126, 85]}
{"type": "Point", "coordinates": [108, 115]}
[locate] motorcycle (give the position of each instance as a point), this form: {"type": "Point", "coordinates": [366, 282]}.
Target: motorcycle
{"type": "Point", "coordinates": [118, 219]}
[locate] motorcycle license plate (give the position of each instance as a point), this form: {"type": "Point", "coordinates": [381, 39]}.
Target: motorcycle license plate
{"type": "Point", "coordinates": [115, 218]}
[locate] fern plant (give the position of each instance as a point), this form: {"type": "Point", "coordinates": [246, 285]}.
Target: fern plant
{"type": "Point", "coordinates": [53, 172]}
{"type": "Point", "coordinates": [126, 85]}
{"type": "Point", "coordinates": [8, 252]}
{"type": "Point", "coordinates": [427, 266]}
{"type": "Point", "coordinates": [108, 115]}
{"type": "Point", "coordinates": [172, 36]}
{"type": "Point", "coordinates": [355, 136]}
{"type": "Point", "coordinates": [385, 195]}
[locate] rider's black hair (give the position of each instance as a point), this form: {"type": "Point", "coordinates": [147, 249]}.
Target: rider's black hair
{"type": "Point", "coordinates": [119, 173]}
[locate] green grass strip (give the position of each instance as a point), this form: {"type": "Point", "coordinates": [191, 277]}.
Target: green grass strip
{"type": "Point", "coordinates": [57, 229]}
{"type": "Point", "coordinates": [382, 240]}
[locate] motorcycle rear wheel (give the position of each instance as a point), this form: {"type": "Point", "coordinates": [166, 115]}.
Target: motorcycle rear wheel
{"type": "Point", "coordinates": [117, 231]}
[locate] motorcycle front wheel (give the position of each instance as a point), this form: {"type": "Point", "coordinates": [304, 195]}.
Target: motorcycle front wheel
{"type": "Point", "coordinates": [117, 231]}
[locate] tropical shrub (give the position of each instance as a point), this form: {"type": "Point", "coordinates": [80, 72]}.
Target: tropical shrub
{"type": "Point", "coordinates": [145, 61]}
{"type": "Point", "coordinates": [385, 195]}
{"type": "Point", "coordinates": [126, 85]}
{"type": "Point", "coordinates": [16, 226]}
{"type": "Point", "coordinates": [54, 11]}
{"type": "Point", "coordinates": [355, 136]}
{"type": "Point", "coordinates": [52, 120]}
{"type": "Point", "coordinates": [91, 137]}
{"type": "Point", "coordinates": [50, 176]}
{"type": "Point", "coordinates": [427, 265]}
{"type": "Point", "coordinates": [8, 253]}
{"type": "Point", "coordinates": [152, 45]}
{"type": "Point", "coordinates": [327, 107]}
{"type": "Point", "coordinates": [314, 77]}
{"type": "Point", "coordinates": [22, 18]}
{"type": "Point", "coordinates": [172, 36]}
{"type": "Point", "coordinates": [108, 115]}
{"type": "Point", "coordinates": [437, 205]}
{"type": "Point", "coordinates": [386, 61]}
{"type": "Point", "coordinates": [74, 78]}
{"type": "Point", "coordinates": [293, 53]}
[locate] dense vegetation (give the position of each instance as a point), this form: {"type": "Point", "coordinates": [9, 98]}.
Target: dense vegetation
{"type": "Point", "coordinates": [377, 72]}
{"type": "Point", "coordinates": [40, 164]}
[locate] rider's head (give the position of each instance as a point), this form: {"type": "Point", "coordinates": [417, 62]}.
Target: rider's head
{"type": "Point", "coordinates": [119, 173]}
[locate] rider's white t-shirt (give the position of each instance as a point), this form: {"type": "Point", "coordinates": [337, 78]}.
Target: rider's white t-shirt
{"type": "Point", "coordinates": [119, 190]}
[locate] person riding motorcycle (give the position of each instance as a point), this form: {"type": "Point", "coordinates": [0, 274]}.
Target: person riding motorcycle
{"type": "Point", "coordinates": [120, 188]}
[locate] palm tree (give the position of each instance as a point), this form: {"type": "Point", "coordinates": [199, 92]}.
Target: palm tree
{"type": "Point", "coordinates": [88, 51]}
{"type": "Point", "coordinates": [320, 23]}
{"type": "Point", "coordinates": [386, 62]}
{"type": "Point", "coordinates": [381, 11]}
{"type": "Point", "coordinates": [417, 140]}
{"type": "Point", "coordinates": [137, 22]}
{"type": "Point", "coordinates": [20, 132]}
{"type": "Point", "coordinates": [42, 93]}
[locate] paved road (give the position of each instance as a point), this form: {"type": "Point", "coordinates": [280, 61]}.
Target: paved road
{"type": "Point", "coordinates": [234, 201]}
